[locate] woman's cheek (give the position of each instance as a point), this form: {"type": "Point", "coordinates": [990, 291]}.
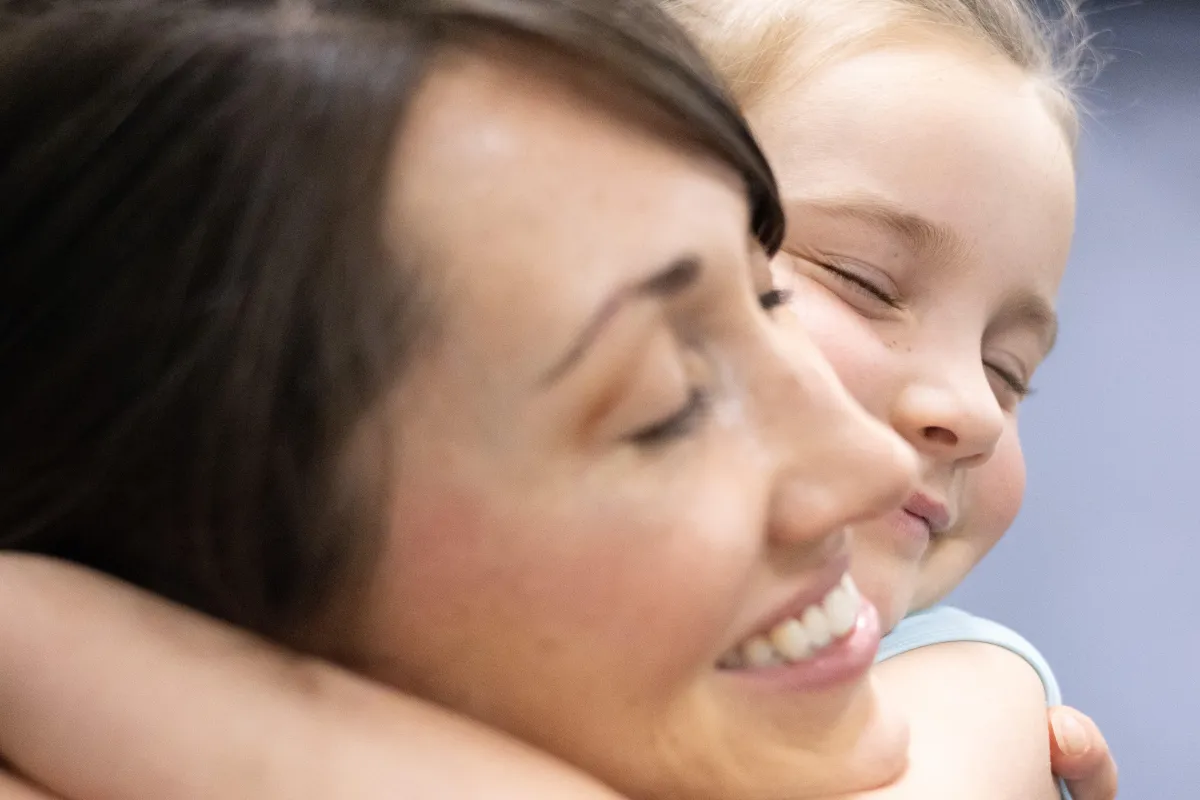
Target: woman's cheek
{"type": "Point", "coordinates": [606, 582]}
{"type": "Point", "coordinates": [665, 590]}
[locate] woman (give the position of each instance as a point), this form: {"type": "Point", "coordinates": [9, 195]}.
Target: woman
{"type": "Point", "coordinates": [438, 340]}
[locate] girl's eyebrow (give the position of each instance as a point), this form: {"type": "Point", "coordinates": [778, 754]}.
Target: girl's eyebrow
{"type": "Point", "coordinates": [1034, 312]}
{"type": "Point", "coordinates": [679, 275]}
{"type": "Point", "coordinates": [930, 240]}
{"type": "Point", "coordinates": [923, 236]}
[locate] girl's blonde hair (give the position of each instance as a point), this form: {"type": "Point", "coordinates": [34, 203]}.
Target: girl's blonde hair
{"type": "Point", "coordinates": [757, 43]}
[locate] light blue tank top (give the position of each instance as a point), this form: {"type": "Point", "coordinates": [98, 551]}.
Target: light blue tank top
{"type": "Point", "coordinates": [942, 624]}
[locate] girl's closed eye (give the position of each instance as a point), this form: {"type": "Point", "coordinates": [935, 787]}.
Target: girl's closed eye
{"type": "Point", "coordinates": [860, 283]}
{"type": "Point", "coordinates": [853, 278]}
{"type": "Point", "coordinates": [1016, 388]}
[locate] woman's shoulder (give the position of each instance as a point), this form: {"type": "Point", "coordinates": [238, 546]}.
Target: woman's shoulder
{"type": "Point", "coordinates": [944, 624]}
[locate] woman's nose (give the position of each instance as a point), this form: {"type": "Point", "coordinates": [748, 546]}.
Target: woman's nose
{"type": "Point", "coordinates": [839, 465]}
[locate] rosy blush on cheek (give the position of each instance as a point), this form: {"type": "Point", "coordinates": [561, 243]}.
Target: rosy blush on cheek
{"type": "Point", "coordinates": [843, 337]}
{"type": "Point", "coordinates": [660, 591]}
{"type": "Point", "coordinates": [437, 547]}
{"type": "Point", "coordinates": [465, 570]}
{"type": "Point", "coordinates": [991, 497]}
{"type": "Point", "coordinates": [995, 491]}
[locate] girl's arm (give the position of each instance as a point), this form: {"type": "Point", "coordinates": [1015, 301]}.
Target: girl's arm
{"type": "Point", "coordinates": [106, 692]}
{"type": "Point", "coordinates": [12, 789]}
{"type": "Point", "coordinates": [978, 725]}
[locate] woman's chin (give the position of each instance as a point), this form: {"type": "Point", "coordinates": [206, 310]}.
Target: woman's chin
{"type": "Point", "coordinates": [878, 756]}
{"type": "Point", "coordinates": [856, 742]}
{"type": "Point", "coordinates": [864, 748]}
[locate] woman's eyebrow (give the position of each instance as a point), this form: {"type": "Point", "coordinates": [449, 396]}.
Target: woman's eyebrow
{"type": "Point", "coordinates": [676, 277]}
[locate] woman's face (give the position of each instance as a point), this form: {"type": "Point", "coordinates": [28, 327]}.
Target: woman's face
{"type": "Point", "coordinates": [612, 469]}
{"type": "Point", "coordinates": [930, 200]}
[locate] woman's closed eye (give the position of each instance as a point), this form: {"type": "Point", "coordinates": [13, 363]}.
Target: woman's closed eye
{"type": "Point", "coordinates": [678, 423]}
{"type": "Point", "coordinates": [774, 298]}
{"type": "Point", "coordinates": [691, 414]}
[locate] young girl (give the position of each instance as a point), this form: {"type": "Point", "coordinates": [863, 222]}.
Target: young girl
{"type": "Point", "coordinates": [924, 152]}
{"type": "Point", "coordinates": [528, 640]}
{"type": "Point", "coordinates": [437, 339]}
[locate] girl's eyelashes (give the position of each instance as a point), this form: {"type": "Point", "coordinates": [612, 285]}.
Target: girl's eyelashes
{"type": "Point", "coordinates": [860, 284]}
{"type": "Point", "coordinates": [1012, 383]}
{"type": "Point", "coordinates": [1017, 386]}
{"type": "Point", "coordinates": [678, 424]}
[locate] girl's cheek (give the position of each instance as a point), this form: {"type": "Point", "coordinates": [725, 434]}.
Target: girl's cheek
{"type": "Point", "coordinates": [998, 488]}
{"type": "Point", "coordinates": [857, 353]}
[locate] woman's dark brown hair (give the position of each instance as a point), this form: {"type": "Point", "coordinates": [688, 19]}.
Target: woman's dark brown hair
{"type": "Point", "coordinates": [196, 308]}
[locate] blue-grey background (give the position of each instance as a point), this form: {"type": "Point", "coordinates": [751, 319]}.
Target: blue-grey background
{"type": "Point", "coordinates": [1102, 570]}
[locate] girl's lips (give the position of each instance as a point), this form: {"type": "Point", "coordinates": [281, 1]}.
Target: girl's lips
{"type": "Point", "coordinates": [911, 532]}
{"type": "Point", "coordinates": [933, 512]}
{"type": "Point", "coordinates": [844, 661]}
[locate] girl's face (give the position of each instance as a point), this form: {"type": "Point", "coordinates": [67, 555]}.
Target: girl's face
{"type": "Point", "coordinates": [612, 468]}
{"type": "Point", "coordinates": [930, 201]}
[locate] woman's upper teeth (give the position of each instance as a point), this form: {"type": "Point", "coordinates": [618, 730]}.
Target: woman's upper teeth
{"type": "Point", "coordinates": [797, 638]}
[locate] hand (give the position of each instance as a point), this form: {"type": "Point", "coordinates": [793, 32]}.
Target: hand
{"type": "Point", "coordinates": [1080, 756]}
{"type": "Point", "coordinates": [108, 692]}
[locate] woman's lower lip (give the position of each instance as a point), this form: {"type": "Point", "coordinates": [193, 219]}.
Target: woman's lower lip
{"type": "Point", "coordinates": [844, 661]}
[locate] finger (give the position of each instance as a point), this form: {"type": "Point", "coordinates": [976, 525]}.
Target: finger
{"type": "Point", "coordinates": [1080, 755]}
{"type": "Point", "coordinates": [108, 692]}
